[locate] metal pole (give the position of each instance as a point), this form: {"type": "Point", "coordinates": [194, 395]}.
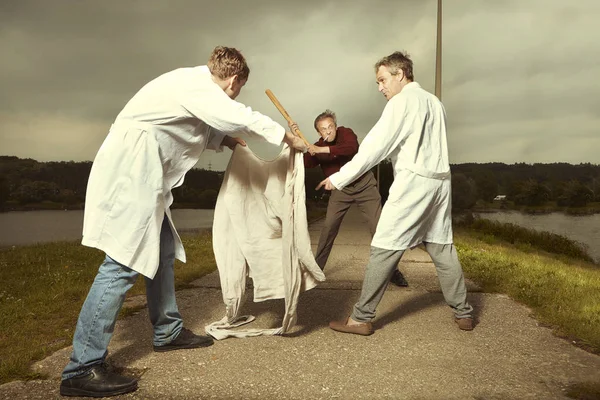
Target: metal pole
{"type": "Point", "coordinates": [438, 53]}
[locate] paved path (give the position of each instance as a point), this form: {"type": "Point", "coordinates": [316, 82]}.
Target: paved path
{"type": "Point", "coordinates": [417, 352]}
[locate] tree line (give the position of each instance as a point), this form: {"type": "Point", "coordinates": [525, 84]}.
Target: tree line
{"type": "Point", "coordinates": [30, 184]}
{"type": "Point", "coordinates": [521, 184]}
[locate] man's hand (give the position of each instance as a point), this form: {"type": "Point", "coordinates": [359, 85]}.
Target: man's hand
{"type": "Point", "coordinates": [295, 141]}
{"type": "Point", "coordinates": [231, 142]}
{"type": "Point", "coordinates": [312, 149]}
{"type": "Point", "coordinates": [326, 183]}
{"type": "Point", "coordinates": [293, 127]}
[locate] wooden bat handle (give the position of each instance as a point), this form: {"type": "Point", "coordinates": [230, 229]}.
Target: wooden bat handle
{"type": "Point", "coordinates": [284, 113]}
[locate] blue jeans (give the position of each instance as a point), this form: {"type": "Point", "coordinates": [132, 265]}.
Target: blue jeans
{"type": "Point", "coordinates": [101, 308]}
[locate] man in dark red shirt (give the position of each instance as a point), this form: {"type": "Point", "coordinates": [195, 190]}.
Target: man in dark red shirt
{"type": "Point", "coordinates": [335, 148]}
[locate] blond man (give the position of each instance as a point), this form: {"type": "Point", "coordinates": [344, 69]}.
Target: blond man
{"type": "Point", "coordinates": [158, 136]}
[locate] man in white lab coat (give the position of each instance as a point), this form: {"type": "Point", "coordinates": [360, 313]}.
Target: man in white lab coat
{"type": "Point", "coordinates": [154, 141]}
{"type": "Point", "coordinates": [412, 132]}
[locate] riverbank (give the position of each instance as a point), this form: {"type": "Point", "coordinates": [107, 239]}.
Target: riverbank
{"type": "Point", "coordinates": [550, 207]}
{"type": "Point", "coordinates": [523, 238]}
{"type": "Point", "coordinates": [51, 205]}
{"type": "Point", "coordinates": [562, 291]}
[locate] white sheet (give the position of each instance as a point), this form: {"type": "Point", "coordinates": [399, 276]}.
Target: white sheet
{"type": "Point", "coordinates": [260, 230]}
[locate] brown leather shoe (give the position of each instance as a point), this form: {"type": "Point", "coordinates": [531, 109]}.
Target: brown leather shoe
{"type": "Point", "coordinates": [365, 329]}
{"type": "Point", "coordinates": [465, 324]}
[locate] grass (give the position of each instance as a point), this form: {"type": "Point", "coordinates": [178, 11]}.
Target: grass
{"type": "Point", "coordinates": [44, 286]}
{"type": "Point", "coordinates": [523, 237]}
{"type": "Point", "coordinates": [564, 293]}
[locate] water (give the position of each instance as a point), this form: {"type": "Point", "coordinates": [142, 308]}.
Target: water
{"type": "Point", "coordinates": [29, 227]}
{"type": "Point", "coordinates": [583, 229]}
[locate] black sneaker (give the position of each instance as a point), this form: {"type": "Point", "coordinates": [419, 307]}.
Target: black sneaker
{"type": "Point", "coordinates": [186, 340]}
{"type": "Point", "coordinates": [99, 382]}
{"type": "Point", "coordinates": [398, 279]}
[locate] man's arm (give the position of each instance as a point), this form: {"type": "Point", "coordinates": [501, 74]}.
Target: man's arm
{"type": "Point", "coordinates": [346, 144]}
{"type": "Point", "coordinates": [210, 104]}
{"type": "Point", "coordinates": [215, 140]}
{"type": "Point", "coordinates": [382, 139]}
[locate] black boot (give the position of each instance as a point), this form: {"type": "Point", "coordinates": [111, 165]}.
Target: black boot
{"type": "Point", "coordinates": [186, 340]}
{"type": "Point", "coordinates": [398, 279]}
{"type": "Point", "coordinates": [98, 382]}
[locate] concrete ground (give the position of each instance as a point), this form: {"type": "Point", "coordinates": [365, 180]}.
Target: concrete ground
{"type": "Point", "coordinates": [417, 351]}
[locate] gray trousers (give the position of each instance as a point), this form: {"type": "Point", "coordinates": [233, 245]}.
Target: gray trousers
{"type": "Point", "coordinates": [382, 264]}
{"type": "Point", "coordinates": [362, 192]}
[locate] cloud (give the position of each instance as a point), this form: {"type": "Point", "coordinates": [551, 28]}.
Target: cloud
{"type": "Point", "coordinates": [51, 137]}
{"type": "Point", "coordinates": [513, 75]}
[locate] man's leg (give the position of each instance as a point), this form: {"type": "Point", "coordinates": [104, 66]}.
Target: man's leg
{"type": "Point", "coordinates": [338, 206]}
{"type": "Point", "coordinates": [452, 280]}
{"type": "Point", "coordinates": [382, 264]}
{"type": "Point", "coordinates": [368, 202]}
{"type": "Point", "coordinates": [169, 333]}
{"type": "Point", "coordinates": [160, 292]}
{"type": "Point", "coordinates": [85, 372]}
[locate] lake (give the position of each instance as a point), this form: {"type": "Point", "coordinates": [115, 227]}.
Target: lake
{"type": "Point", "coordinates": [28, 227]}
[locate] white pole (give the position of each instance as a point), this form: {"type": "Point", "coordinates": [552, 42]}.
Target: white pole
{"type": "Point", "coordinates": [438, 53]}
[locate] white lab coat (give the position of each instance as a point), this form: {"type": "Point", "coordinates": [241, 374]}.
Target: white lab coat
{"type": "Point", "coordinates": [154, 141]}
{"type": "Point", "coordinates": [260, 230]}
{"type": "Point", "coordinates": [412, 132]}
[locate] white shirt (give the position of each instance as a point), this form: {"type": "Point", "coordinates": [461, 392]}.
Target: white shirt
{"type": "Point", "coordinates": [154, 141]}
{"type": "Point", "coordinates": [412, 132]}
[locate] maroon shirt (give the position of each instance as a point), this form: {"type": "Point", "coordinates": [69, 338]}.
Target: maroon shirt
{"type": "Point", "coordinates": [341, 150]}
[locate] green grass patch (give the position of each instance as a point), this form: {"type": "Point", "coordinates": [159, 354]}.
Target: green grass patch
{"type": "Point", "coordinates": [525, 238]}
{"type": "Point", "coordinates": [563, 293]}
{"type": "Point", "coordinates": [44, 286]}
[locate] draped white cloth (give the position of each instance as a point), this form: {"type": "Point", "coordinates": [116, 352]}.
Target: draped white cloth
{"type": "Point", "coordinates": [260, 230]}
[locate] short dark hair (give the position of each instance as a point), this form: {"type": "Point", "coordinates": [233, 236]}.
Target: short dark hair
{"type": "Point", "coordinates": [325, 114]}
{"type": "Point", "coordinates": [225, 62]}
{"type": "Point", "coordinates": [395, 62]}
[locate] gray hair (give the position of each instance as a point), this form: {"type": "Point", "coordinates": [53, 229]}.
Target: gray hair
{"type": "Point", "coordinates": [325, 114]}
{"type": "Point", "coordinates": [395, 62]}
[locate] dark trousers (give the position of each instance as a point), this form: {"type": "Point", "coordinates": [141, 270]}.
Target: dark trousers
{"type": "Point", "coordinates": [362, 192]}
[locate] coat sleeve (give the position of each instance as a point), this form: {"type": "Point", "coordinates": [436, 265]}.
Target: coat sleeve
{"type": "Point", "coordinates": [210, 104]}
{"type": "Point", "coordinates": [389, 132]}
{"type": "Point", "coordinates": [215, 139]}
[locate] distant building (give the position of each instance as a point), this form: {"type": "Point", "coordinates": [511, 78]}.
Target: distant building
{"type": "Point", "coordinates": [500, 197]}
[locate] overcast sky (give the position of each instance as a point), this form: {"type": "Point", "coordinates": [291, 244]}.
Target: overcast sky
{"type": "Point", "coordinates": [519, 77]}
